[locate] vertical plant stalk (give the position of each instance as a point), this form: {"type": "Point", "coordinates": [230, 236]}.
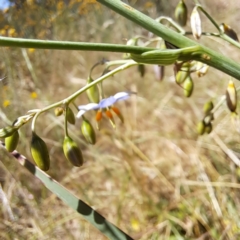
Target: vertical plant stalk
{"type": "Point", "coordinates": [89, 214]}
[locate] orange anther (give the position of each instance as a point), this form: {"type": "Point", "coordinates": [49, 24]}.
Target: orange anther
{"type": "Point", "coordinates": [109, 114]}
{"type": "Point", "coordinates": [98, 116]}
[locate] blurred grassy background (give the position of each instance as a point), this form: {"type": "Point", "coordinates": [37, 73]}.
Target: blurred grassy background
{"type": "Point", "coordinates": [153, 176]}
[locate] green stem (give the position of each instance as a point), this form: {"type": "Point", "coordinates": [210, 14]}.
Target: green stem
{"type": "Point", "coordinates": [172, 22]}
{"type": "Point", "coordinates": [66, 45]}
{"type": "Point", "coordinates": [65, 122]}
{"type": "Point", "coordinates": [208, 16]}
{"type": "Point", "coordinates": [221, 33]}
{"type": "Point", "coordinates": [208, 56]}
{"type": "Point", "coordinates": [128, 64]}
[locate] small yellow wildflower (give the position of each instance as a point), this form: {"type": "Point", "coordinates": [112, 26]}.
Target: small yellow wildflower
{"type": "Point", "coordinates": [11, 32]}
{"type": "Point", "coordinates": [31, 50]}
{"type": "Point", "coordinates": [6, 103]}
{"type": "Point", "coordinates": [135, 224]}
{"type": "Point", "coordinates": [34, 95]}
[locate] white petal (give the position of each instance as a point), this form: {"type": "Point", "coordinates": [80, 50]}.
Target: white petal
{"type": "Point", "coordinates": [80, 113]}
{"type": "Point", "coordinates": [89, 106]}
{"type": "Point", "coordinates": [121, 96]}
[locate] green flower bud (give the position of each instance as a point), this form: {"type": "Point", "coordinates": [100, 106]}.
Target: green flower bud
{"type": "Point", "coordinates": [7, 131]}
{"type": "Point", "coordinates": [72, 152]}
{"type": "Point", "coordinates": [208, 128]}
{"type": "Point", "coordinates": [181, 76]}
{"type": "Point", "coordinates": [92, 92]}
{"type": "Point", "coordinates": [208, 107]}
{"type": "Point", "coordinates": [11, 142]}
{"type": "Point", "coordinates": [181, 13]}
{"type": "Point", "coordinates": [201, 127]}
{"type": "Point", "coordinates": [88, 132]}
{"type": "Point", "coordinates": [70, 116]}
{"type": "Point", "coordinates": [188, 86]}
{"type": "Point", "coordinates": [39, 152]}
{"type": "Point", "coordinates": [231, 96]}
{"type": "Point", "coordinates": [208, 118]}
{"type": "Point", "coordinates": [58, 111]}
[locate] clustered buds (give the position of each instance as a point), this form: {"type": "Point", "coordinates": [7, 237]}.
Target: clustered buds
{"type": "Point", "coordinates": [205, 125]}
{"type": "Point", "coordinates": [181, 13]}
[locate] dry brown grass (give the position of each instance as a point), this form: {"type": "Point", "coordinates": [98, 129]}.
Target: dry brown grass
{"type": "Point", "coordinates": [153, 176]}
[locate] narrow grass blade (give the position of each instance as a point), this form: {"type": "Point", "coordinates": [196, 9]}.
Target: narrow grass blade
{"type": "Point", "coordinates": [92, 216]}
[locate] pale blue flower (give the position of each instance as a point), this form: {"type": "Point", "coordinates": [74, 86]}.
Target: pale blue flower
{"type": "Point", "coordinates": [104, 103]}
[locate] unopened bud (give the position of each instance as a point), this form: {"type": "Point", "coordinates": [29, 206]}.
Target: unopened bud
{"type": "Point", "coordinates": [39, 152]}
{"type": "Point", "coordinates": [181, 76]}
{"type": "Point", "coordinates": [229, 31]}
{"type": "Point", "coordinates": [7, 131]}
{"type": "Point", "coordinates": [231, 96]}
{"type": "Point", "coordinates": [208, 128]}
{"type": "Point", "coordinates": [11, 142]}
{"type": "Point", "coordinates": [208, 107]}
{"type": "Point", "coordinates": [188, 86]}
{"type": "Point", "coordinates": [58, 111]}
{"type": "Point", "coordinates": [195, 21]}
{"type": "Point", "coordinates": [201, 127]}
{"type": "Point", "coordinates": [72, 152]}
{"type": "Point", "coordinates": [181, 13]}
{"type": "Point", "coordinates": [88, 131]}
{"type": "Point", "coordinates": [70, 116]}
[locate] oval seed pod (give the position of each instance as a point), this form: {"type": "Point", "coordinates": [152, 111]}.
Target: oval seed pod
{"type": "Point", "coordinates": [11, 142]}
{"type": "Point", "coordinates": [188, 87]}
{"type": "Point", "coordinates": [58, 111]}
{"type": "Point", "coordinates": [181, 13]}
{"type": "Point", "coordinates": [229, 31]}
{"type": "Point", "coordinates": [201, 127]}
{"type": "Point", "coordinates": [208, 107]}
{"type": "Point", "coordinates": [39, 152]}
{"type": "Point", "coordinates": [141, 69]}
{"type": "Point", "coordinates": [70, 116]}
{"type": "Point", "coordinates": [88, 131]}
{"type": "Point", "coordinates": [208, 128]}
{"type": "Point", "coordinates": [195, 21]}
{"type": "Point", "coordinates": [92, 92]}
{"type": "Point", "coordinates": [72, 152]}
{"type": "Point", "coordinates": [231, 96]}
{"type": "Point", "coordinates": [7, 131]}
